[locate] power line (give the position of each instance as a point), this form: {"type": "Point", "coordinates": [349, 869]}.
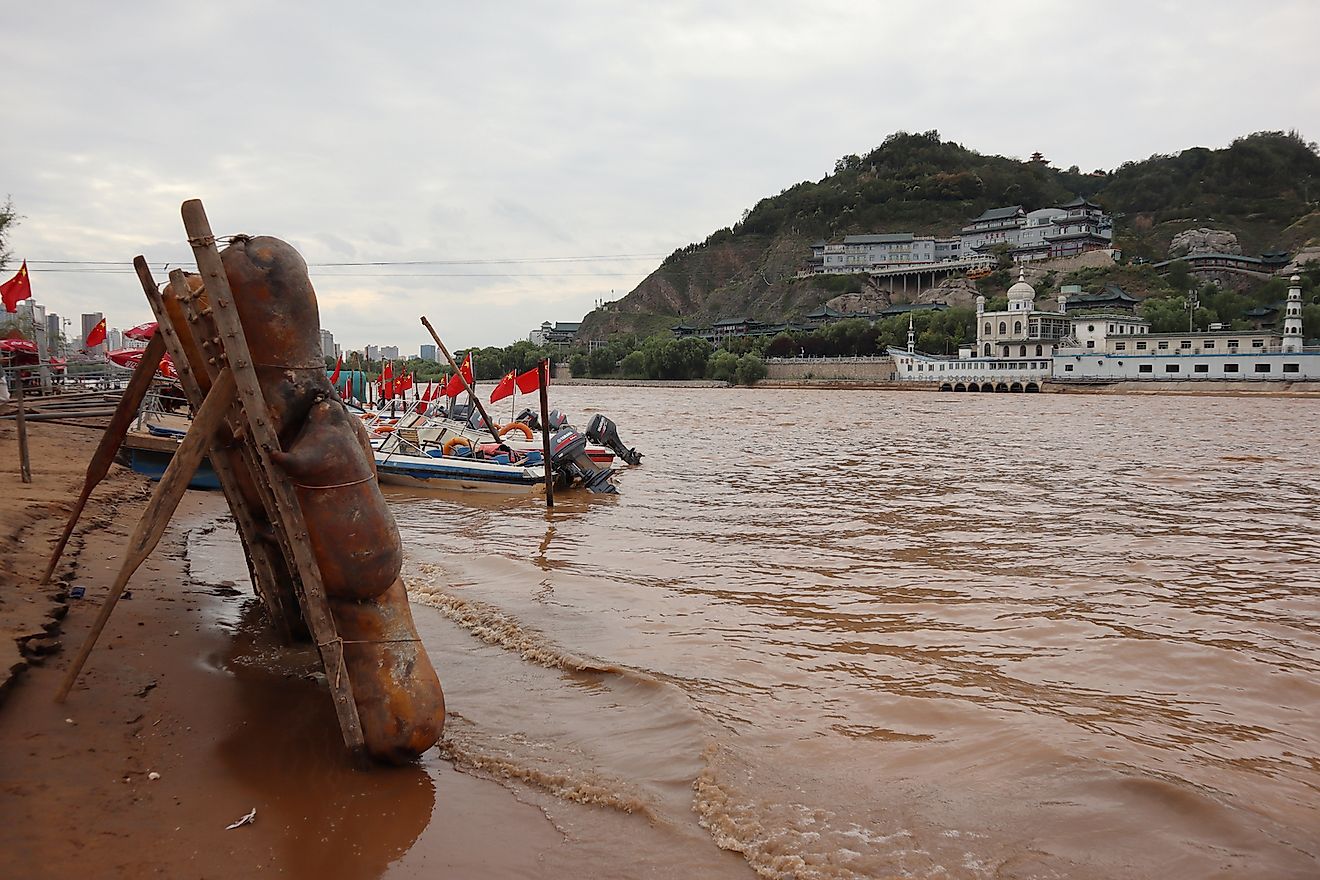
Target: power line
{"type": "Point", "coordinates": [128, 271]}
{"type": "Point", "coordinates": [380, 263]}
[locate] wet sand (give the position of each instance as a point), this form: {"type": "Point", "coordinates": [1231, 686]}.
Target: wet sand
{"type": "Point", "coordinates": [187, 683]}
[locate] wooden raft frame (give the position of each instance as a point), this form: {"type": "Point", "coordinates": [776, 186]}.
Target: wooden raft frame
{"type": "Point", "coordinates": [233, 425]}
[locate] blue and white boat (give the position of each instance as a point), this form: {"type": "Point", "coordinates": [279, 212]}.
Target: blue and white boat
{"type": "Point", "coordinates": [401, 463]}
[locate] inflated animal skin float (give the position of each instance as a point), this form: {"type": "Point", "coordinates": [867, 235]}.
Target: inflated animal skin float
{"type": "Point", "coordinates": [351, 532]}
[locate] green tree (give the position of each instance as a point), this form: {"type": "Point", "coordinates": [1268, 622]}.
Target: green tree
{"type": "Point", "coordinates": [751, 369]}
{"type": "Point", "coordinates": [723, 366]}
{"type": "Point", "coordinates": [602, 361]}
{"type": "Point", "coordinates": [1166, 314]}
{"type": "Point", "coordinates": [8, 220]}
{"type": "Point", "coordinates": [633, 365]}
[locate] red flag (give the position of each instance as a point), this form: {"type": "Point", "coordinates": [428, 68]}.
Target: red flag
{"type": "Point", "coordinates": [530, 381]}
{"type": "Point", "coordinates": [347, 393]}
{"type": "Point", "coordinates": [405, 383]}
{"type": "Point", "coordinates": [97, 336]}
{"type": "Point", "coordinates": [504, 389]}
{"type": "Point", "coordinates": [334, 378]}
{"type": "Point", "coordinates": [430, 391]}
{"type": "Point", "coordinates": [17, 288]}
{"type": "Point", "coordinates": [454, 386]}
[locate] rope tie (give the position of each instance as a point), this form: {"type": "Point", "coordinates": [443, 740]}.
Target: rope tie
{"type": "Point", "coordinates": [336, 485]}
{"type": "Point", "coordinates": [341, 642]}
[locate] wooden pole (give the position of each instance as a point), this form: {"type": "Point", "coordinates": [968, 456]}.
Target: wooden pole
{"type": "Point", "coordinates": [481, 409]}
{"type": "Point", "coordinates": [24, 463]}
{"type": "Point", "coordinates": [543, 377]}
{"type": "Point", "coordinates": [269, 576]}
{"type": "Point", "coordinates": [111, 440]}
{"type": "Point", "coordinates": [316, 607]}
{"type": "Point", "coordinates": [156, 517]}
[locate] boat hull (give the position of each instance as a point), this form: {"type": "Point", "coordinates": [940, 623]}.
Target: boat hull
{"type": "Point", "coordinates": [424, 472]}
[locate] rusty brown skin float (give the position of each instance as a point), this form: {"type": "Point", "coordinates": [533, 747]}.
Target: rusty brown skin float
{"type": "Point", "coordinates": [355, 539]}
{"type": "Point", "coordinates": [388, 668]}
{"type": "Point", "coordinates": [350, 528]}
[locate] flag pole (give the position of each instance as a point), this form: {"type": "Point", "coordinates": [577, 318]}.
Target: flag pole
{"type": "Point", "coordinates": [490, 426]}
{"type": "Point", "coordinates": [543, 369]}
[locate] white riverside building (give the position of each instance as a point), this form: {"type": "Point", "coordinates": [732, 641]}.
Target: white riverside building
{"type": "Point", "coordinates": [1021, 348]}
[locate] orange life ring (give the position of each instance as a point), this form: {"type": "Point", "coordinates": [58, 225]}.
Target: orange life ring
{"type": "Point", "coordinates": [454, 442]}
{"type": "Point", "coordinates": [505, 429]}
{"type": "Point", "coordinates": [383, 429]}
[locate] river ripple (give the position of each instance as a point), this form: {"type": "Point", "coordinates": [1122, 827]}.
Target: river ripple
{"type": "Point", "coordinates": [856, 634]}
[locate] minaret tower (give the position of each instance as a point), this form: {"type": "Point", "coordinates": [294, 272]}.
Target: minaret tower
{"type": "Point", "coordinates": [980, 310]}
{"type": "Point", "coordinates": [1292, 318]}
{"type": "Point", "coordinates": [912, 335]}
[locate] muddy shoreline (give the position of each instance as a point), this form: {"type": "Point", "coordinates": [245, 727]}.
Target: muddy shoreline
{"type": "Point", "coordinates": [188, 684]}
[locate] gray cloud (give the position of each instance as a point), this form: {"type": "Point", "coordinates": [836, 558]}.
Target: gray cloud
{"type": "Point", "coordinates": [516, 131]}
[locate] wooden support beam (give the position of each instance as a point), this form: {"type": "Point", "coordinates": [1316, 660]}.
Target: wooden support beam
{"type": "Point", "coordinates": [269, 541]}
{"type": "Point", "coordinates": [222, 460]}
{"type": "Point", "coordinates": [24, 463]}
{"type": "Point", "coordinates": [156, 517]}
{"type": "Point", "coordinates": [316, 608]}
{"type": "Point", "coordinates": [110, 441]}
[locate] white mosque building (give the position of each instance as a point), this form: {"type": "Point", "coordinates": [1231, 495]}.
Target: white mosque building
{"type": "Point", "coordinates": [1022, 347]}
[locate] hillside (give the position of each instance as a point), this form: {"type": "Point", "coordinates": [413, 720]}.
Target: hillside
{"type": "Point", "coordinates": [1264, 187]}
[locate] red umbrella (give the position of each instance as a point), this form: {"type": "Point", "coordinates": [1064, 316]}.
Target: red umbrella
{"type": "Point", "coordinates": [142, 331]}
{"type": "Point", "coordinates": [129, 357]}
{"type": "Point", "coordinates": [24, 345]}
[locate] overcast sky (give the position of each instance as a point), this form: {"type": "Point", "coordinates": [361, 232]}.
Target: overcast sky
{"type": "Point", "coordinates": [583, 140]}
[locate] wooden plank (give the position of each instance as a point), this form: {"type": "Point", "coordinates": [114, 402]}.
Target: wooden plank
{"type": "Point", "coordinates": [156, 517]}
{"type": "Point", "coordinates": [111, 440]}
{"type": "Point", "coordinates": [316, 608]}
{"type": "Point", "coordinates": [490, 425]}
{"type": "Point", "coordinates": [271, 549]}
{"type": "Point", "coordinates": [257, 553]}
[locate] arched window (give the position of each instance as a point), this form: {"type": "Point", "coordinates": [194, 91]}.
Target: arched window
{"type": "Point", "coordinates": [1023, 352]}
{"type": "Point", "coordinates": [987, 328]}
{"type": "Point", "coordinates": [987, 349]}
{"type": "Point", "coordinates": [1039, 351]}
{"type": "Point", "coordinates": [1003, 327]}
{"type": "Point", "coordinates": [1005, 351]}
{"type": "Point", "coordinates": [1017, 326]}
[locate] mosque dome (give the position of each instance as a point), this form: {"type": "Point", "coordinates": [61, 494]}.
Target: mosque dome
{"type": "Point", "coordinates": [1021, 295]}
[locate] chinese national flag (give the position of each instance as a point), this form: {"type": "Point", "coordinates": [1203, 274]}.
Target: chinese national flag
{"type": "Point", "coordinates": [334, 378]}
{"type": "Point", "coordinates": [504, 389]}
{"type": "Point", "coordinates": [405, 383]}
{"type": "Point", "coordinates": [17, 288]}
{"type": "Point", "coordinates": [97, 336]}
{"type": "Point", "coordinates": [455, 385]}
{"type": "Point", "coordinates": [430, 391]}
{"type": "Point", "coordinates": [530, 381]}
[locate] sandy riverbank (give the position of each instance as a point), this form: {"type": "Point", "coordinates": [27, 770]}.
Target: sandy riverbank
{"type": "Point", "coordinates": [187, 683]}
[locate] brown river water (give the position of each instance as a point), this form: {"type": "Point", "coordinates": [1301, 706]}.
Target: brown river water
{"type": "Point", "coordinates": [846, 634]}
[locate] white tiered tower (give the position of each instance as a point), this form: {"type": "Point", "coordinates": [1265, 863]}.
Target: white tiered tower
{"type": "Point", "coordinates": [1292, 318]}
{"type": "Point", "coordinates": [912, 335]}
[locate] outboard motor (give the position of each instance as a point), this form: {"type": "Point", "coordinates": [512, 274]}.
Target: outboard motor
{"type": "Point", "coordinates": [568, 456]}
{"type": "Point", "coordinates": [603, 432]}
{"type": "Point", "coordinates": [557, 420]}
{"type": "Point", "coordinates": [461, 412]}
{"type": "Point", "coordinates": [528, 418]}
